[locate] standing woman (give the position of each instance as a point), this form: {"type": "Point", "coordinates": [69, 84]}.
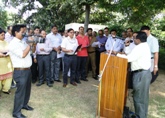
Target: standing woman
{"type": "Point", "coordinates": [5, 65]}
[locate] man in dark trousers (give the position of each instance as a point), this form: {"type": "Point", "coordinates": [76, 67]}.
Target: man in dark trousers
{"type": "Point", "coordinates": [21, 60]}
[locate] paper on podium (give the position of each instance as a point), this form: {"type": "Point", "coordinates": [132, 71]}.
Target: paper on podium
{"type": "Point", "coordinates": [60, 55]}
{"type": "Point", "coordinates": [121, 55]}
{"type": "Point", "coordinates": [95, 44]}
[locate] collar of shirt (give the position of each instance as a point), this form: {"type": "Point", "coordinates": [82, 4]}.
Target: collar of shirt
{"type": "Point", "coordinates": [16, 39]}
{"type": "Point", "coordinates": [54, 34]}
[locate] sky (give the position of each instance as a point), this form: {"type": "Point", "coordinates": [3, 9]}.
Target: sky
{"type": "Point", "coordinates": [28, 13]}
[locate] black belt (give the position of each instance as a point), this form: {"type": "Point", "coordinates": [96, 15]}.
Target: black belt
{"type": "Point", "coordinates": [43, 55]}
{"type": "Point", "coordinates": [140, 70]}
{"type": "Point", "coordinates": [69, 55]}
{"type": "Point", "coordinates": [91, 52]}
{"type": "Point", "coordinates": [21, 68]}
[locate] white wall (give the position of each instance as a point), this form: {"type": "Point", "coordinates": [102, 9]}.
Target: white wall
{"type": "Point", "coordinates": [76, 26]}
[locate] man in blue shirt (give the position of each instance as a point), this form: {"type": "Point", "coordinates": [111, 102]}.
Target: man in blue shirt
{"type": "Point", "coordinates": [100, 48]}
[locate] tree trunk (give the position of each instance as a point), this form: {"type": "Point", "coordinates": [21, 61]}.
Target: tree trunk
{"type": "Point", "coordinates": [87, 13]}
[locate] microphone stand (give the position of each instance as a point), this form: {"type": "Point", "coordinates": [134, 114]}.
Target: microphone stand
{"type": "Point", "coordinates": [101, 74]}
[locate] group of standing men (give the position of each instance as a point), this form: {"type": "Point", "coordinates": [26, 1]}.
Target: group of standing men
{"type": "Point", "coordinates": [43, 56]}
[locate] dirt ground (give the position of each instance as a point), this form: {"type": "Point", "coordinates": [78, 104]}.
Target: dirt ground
{"type": "Point", "coordinates": [78, 102]}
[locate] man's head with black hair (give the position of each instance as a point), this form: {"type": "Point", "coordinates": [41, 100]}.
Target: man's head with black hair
{"type": "Point", "coordinates": [113, 32]}
{"type": "Point", "coordinates": [145, 29]}
{"type": "Point", "coordinates": [129, 32]}
{"type": "Point", "coordinates": [9, 29]}
{"type": "Point", "coordinates": [89, 31]}
{"type": "Point", "coordinates": [17, 31]}
{"type": "Point", "coordinates": [54, 29]}
{"type": "Point", "coordinates": [141, 37]}
{"type": "Point", "coordinates": [106, 31]}
{"type": "Point", "coordinates": [36, 30]}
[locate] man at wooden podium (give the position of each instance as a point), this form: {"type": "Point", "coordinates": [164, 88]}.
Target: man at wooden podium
{"type": "Point", "coordinates": [140, 64]}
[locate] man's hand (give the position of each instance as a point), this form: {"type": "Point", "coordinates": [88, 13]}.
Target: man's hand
{"type": "Point", "coordinates": [41, 49]}
{"type": "Point", "coordinates": [70, 51]}
{"type": "Point", "coordinates": [155, 70]}
{"type": "Point", "coordinates": [127, 43]}
{"type": "Point", "coordinates": [79, 49]}
{"type": "Point", "coordinates": [102, 44]}
{"type": "Point", "coordinates": [35, 60]}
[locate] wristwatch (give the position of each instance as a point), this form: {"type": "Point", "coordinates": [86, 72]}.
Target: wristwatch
{"type": "Point", "coordinates": [156, 66]}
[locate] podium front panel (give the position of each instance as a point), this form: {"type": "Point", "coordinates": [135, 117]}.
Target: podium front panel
{"type": "Point", "coordinates": [113, 86]}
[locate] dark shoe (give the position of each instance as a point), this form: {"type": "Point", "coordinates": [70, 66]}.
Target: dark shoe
{"type": "Point", "coordinates": [64, 85]}
{"type": "Point", "coordinates": [8, 92]}
{"type": "Point", "coordinates": [39, 84]}
{"type": "Point", "coordinates": [96, 78]}
{"type": "Point", "coordinates": [20, 116]}
{"type": "Point", "coordinates": [84, 79]}
{"type": "Point", "coordinates": [27, 107]}
{"type": "Point", "coordinates": [57, 80]}
{"type": "Point", "coordinates": [78, 81]}
{"type": "Point", "coordinates": [50, 85]}
{"type": "Point", "coordinates": [73, 83]}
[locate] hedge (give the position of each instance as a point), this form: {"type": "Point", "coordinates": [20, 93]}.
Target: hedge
{"type": "Point", "coordinates": [162, 58]}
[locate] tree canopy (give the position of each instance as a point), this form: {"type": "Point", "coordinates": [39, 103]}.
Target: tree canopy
{"type": "Point", "coordinates": [61, 12]}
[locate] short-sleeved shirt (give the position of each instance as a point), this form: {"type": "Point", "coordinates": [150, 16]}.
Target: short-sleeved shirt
{"type": "Point", "coordinates": [69, 44]}
{"type": "Point", "coordinates": [16, 48]}
{"type": "Point", "coordinates": [55, 40]}
{"type": "Point", "coordinates": [84, 42]}
{"type": "Point", "coordinates": [153, 44]}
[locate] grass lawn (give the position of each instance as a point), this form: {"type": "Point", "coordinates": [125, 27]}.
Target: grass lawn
{"type": "Point", "coordinates": [77, 102]}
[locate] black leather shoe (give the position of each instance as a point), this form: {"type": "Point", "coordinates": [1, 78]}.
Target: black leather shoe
{"type": "Point", "coordinates": [27, 107]}
{"type": "Point", "coordinates": [84, 79]}
{"type": "Point", "coordinates": [50, 85]}
{"type": "Point", "coordinates": [39, 84]}
{"type": "Point", "coordinates": [57, 80]}
{"type": "Point", "coordinates": [64, 85]}
{"type": "Point", "coordinates": [96, 78]}
{"type": "Point", "coordinates": [73, 83]}
{"type": "Point", "coordinates": [19, 116]}
{"type": "Point", "coordinates": [78, 81]}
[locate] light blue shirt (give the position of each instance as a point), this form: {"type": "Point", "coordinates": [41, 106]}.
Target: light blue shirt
{"type": "Point", "coordinates": [55, 40]}
{"type": "Point", "coordinates": [153, 44]}
{"type": "Point", "coordinates": [117, 46]}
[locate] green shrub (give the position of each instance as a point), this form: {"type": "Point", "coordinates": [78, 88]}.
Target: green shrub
{"type": "Point", "coordinates": [162, 58]}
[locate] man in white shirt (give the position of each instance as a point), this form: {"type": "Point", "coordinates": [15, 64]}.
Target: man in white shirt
{"type": "Point", "coordinates": [55, 39]}
{"type": "Point", "coordinates": [21, 60]}
{"type": "Point", "coordinates": [140, 65]}
{"type": "Point", "coordinates": [8, 35]}
{"type": "Point", "coordinates": [154, 48]}
{"type": "Point", "coordinates": [129, 42]}
{"type": "Point", "coordinates": [42, 56]}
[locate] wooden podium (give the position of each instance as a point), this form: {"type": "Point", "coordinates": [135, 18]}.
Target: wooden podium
{"type": "Point", "coordinates": [113, 87]}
